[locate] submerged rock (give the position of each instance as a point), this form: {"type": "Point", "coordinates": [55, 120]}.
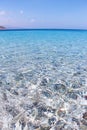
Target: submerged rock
{"type": "Point", "coordinates": [77, 73]}
{"type": "Point", "coordinates": [27, 106]}
{"type": "Point", "coordinates": [22, 123]}
{"type": "Point", "coordinates": [76, 120]}
{"type": "Point", "coordinates": [85, 97]}
{"type": "Point", "coordinates": [72, 95]}
{"type": "Point", "coordinates": [85, 115]}
{"type": "Point", "coordinates": [41, 110]}
{"type": "Point", "coordinates": [52, 121]}
{"type": "Point", "coordinates": [12, 126]}
{"type": "Point", "coordinates": [14, 91]}
{"type": "Point", "coordinates": [44, 128]}
{"type": "Point", "coordinates": [19, 77]}
{"type": "Point", "coordinates": [84, 122]}
{"type": "Point", "coordinates": [46, 93]}
{"type": "Point", "coordinates": [60, 88]}
{"type": "Point", "coordinates": [5, 96]}
{"type": "Point", "coordinates": [12, 110]}
{"type": "Point", "coordinates": [83, 127]}
{"type": "Point", "coordinates": [60, 125]}
{"type": "Point", "coordinates": [44, 82]}
{"type": "Point", "coordinates": [1, 125]}
{"type": "Point", "coordinates": [75, 85]}
{"type": "Point", "coordinates": [1, 83]}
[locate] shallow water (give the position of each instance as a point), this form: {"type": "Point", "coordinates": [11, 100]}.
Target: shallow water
{"type": "Point", "coordinates": [43, 68]}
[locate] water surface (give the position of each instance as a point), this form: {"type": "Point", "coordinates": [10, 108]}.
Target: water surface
{"type": "Point", "coordinates": [41, 60]}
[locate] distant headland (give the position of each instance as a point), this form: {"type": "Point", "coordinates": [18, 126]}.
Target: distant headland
{"type": "Point", "coordinates": [2, 27]}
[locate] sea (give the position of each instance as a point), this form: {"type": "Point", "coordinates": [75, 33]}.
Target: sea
{"type": "Point", "coordinates": [43, 69]}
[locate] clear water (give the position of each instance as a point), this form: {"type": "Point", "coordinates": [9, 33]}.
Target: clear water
{"type": "Point", "coordinates": [39, 59]}
{"type": "Point", "coordinates": [52, 53]}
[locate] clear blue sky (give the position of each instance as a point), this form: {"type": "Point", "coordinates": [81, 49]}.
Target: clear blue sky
{"type": "Point", "coordinates": [44, 13]}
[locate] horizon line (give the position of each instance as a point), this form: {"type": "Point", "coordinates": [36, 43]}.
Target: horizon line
{"type": "Point", "coordinates": [18, 29]}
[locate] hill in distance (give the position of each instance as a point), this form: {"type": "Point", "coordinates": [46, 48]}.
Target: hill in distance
{"type": "Point", "coordinates": [2, 28]}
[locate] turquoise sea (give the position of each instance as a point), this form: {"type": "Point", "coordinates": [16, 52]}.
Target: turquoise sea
{"type": "Point", "coordinates": [44, 60]}
{"type": "Point", "coordinates": [43, 51]}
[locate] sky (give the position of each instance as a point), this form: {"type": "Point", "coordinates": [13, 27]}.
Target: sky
{"type": "Point", "coordinates": [71, 14]}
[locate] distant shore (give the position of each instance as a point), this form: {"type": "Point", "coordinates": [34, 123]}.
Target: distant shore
{"type": "Point", "coordinates": [2, 28]}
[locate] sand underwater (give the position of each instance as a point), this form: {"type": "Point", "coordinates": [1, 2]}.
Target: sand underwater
{"type": "Point", "coordinates": [43, 80]}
